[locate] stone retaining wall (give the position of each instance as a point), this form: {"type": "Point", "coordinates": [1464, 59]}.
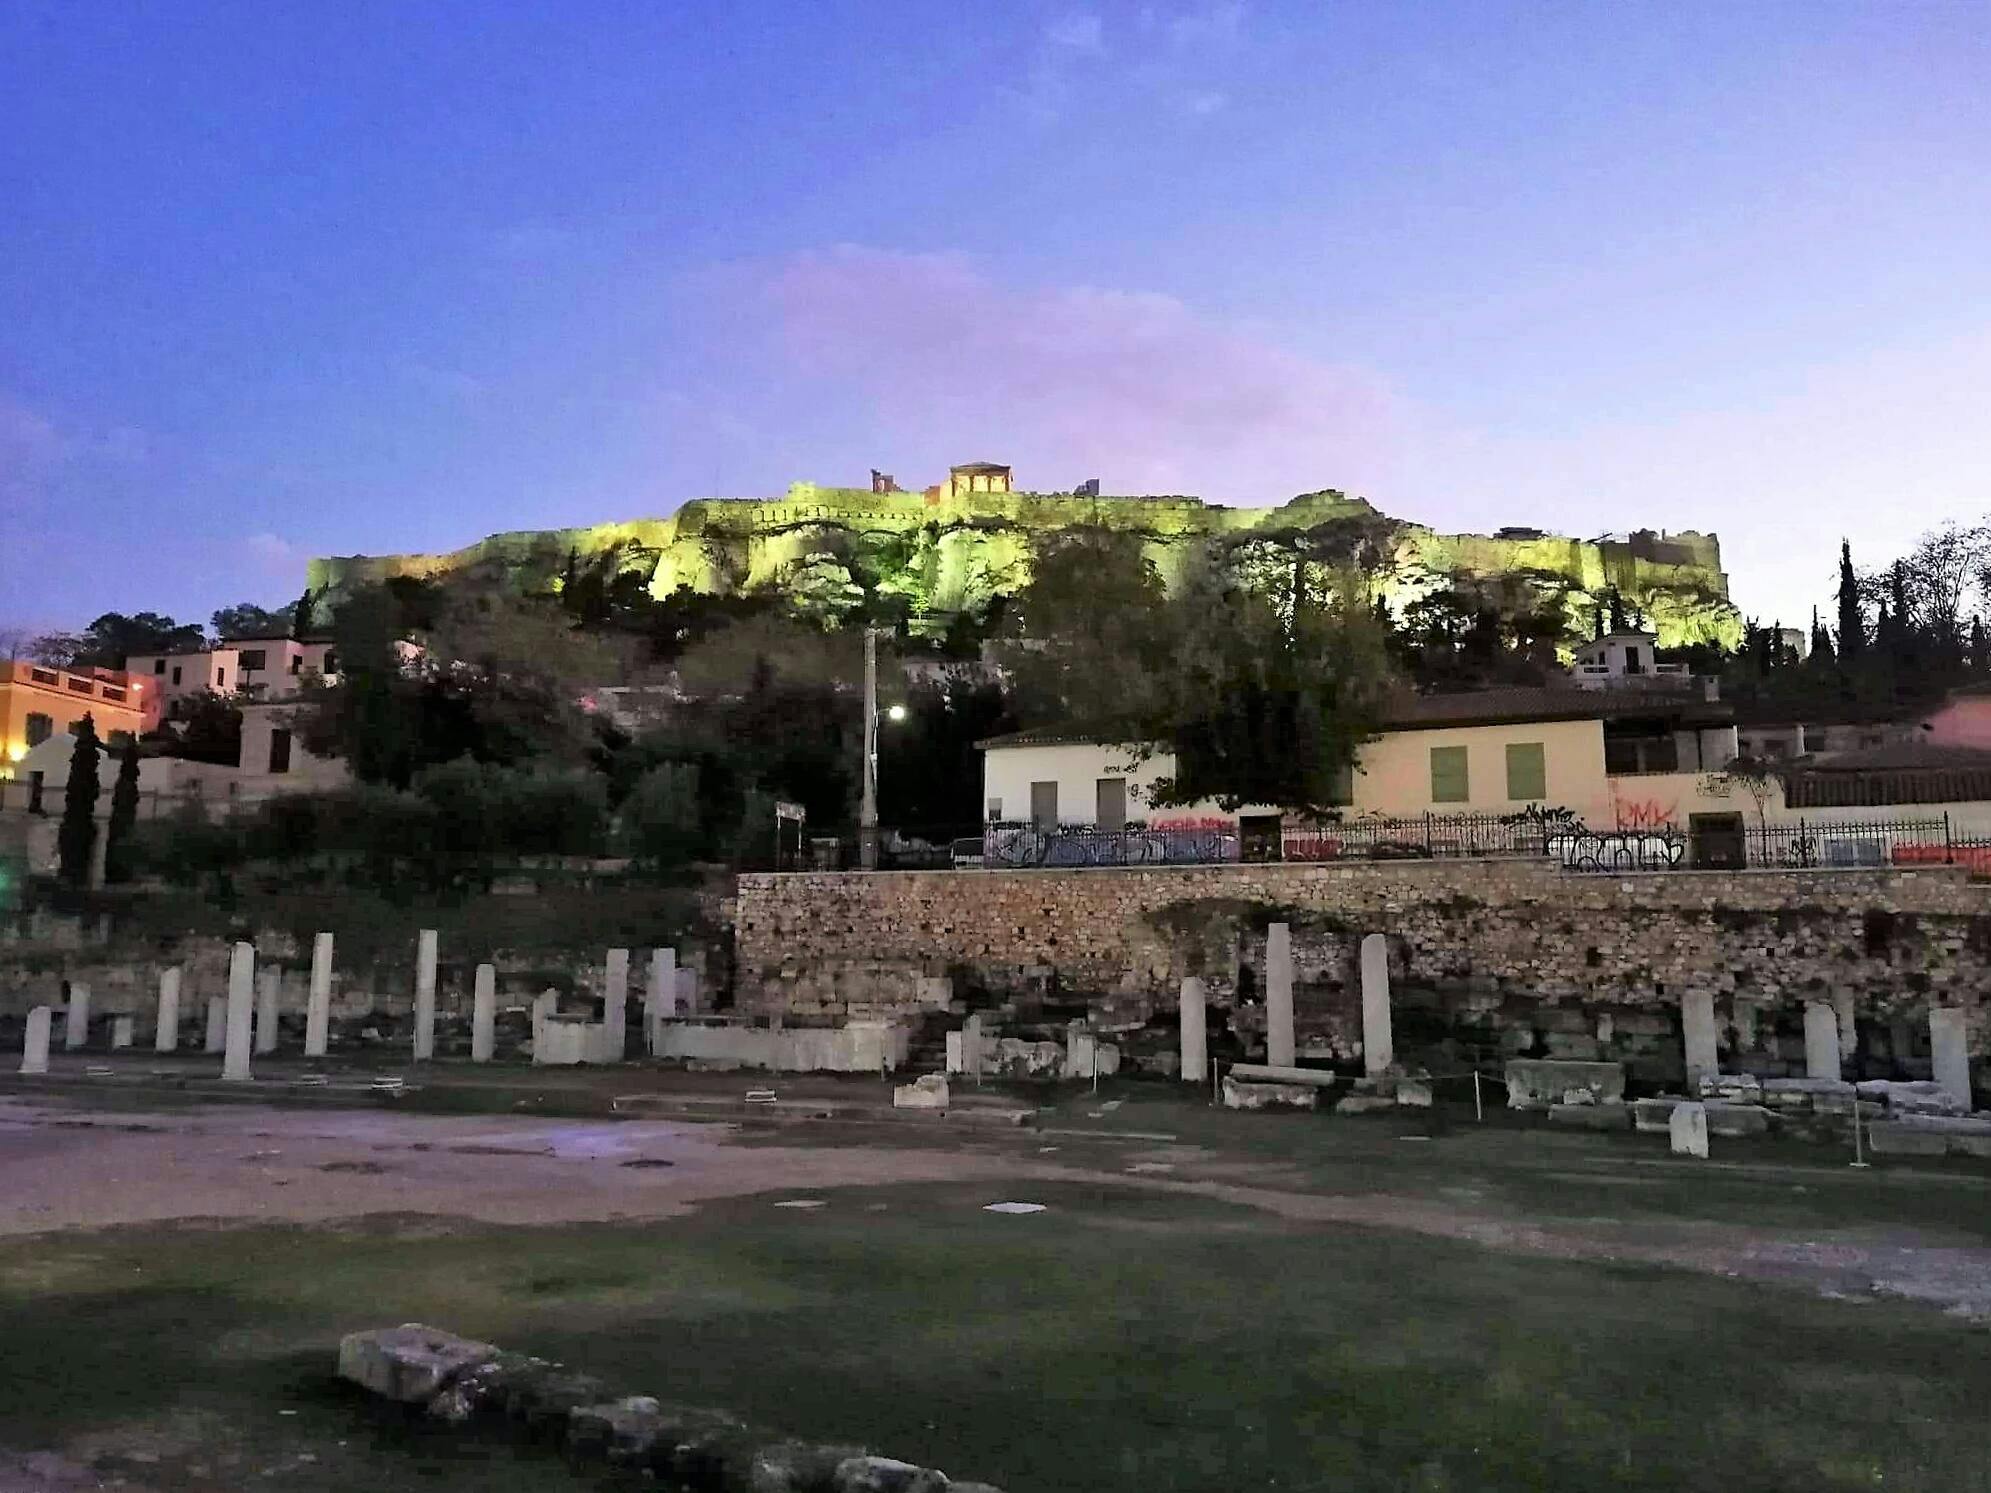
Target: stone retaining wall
{"type": "Point", "coordinates": [1516, 953]}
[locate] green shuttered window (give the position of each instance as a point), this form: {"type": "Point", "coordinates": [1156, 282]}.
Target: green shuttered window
{"type": "Point", "coordinates": [1449, 783]}
{"type": "Point", "coordinates": [1527, 771]}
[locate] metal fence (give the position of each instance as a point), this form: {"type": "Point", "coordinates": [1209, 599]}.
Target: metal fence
{"type": "Point", "coordinates": [1424, 837]}
{"type": "Point", "coordinates": [1877, 842]}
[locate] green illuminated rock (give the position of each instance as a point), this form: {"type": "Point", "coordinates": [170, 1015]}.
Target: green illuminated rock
{"type": "Point", "coordinates": [948, 551]}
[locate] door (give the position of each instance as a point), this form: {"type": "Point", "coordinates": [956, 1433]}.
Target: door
{"type": "Point", "coordinates": [1717, 842]}
{"type": "Point", "coordinates": [1044, 807]}
{"type": "Point", "coordinates": [1110, 803]}
{"type": "Point", "coordinates": [279, 751]}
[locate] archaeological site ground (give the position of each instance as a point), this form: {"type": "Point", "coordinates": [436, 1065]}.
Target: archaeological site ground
{"type": "Point", "coordinates": [1208, 1299]}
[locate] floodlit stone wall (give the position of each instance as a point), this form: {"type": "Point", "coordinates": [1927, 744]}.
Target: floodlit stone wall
{"type": "Point", "coordinates": [1515, 955]}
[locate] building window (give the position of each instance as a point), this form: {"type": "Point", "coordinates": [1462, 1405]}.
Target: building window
{"type": "Point", "coordinates": [1044, 806]}
{"type": "Point", "coordinates": [221, 679]}
{"type": "Point", "coordinates": [1527, 771]}
{"type": "Point", "coordinates": [279, 751]}
{"type": "Point", "coordinates": [159, 666]}
{"type": "Point", "coordinates": [331, 662]}
{"type": "Point", "coordinates": [995, 811]}
{"type": "Point", "coordinates": [1449, 781]}
{"type": "Point", "coordinates": [40, 728]}
{"type": "Point", "coordinates": [251, 660]}
{"type": "Point", "coordinates": [176, 673]}
{"type": "Point", "coordinates": [296, 663]}
{"type": "Point", "coordinates": [1814, 738]}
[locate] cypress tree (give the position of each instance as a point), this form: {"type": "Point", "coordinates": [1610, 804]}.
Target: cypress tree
{"type": "Point", "coordinates": [78, 830]}
{"type": "Point", "coordinates": [124, 816]}
{"type": "Point", "coordinates": [1821, 641]}
{"type": "Point", "coordinates": [1852, 618]}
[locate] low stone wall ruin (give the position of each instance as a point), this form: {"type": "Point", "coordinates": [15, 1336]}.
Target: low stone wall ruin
{"type": "Point", "coordinates": [1514, 956]}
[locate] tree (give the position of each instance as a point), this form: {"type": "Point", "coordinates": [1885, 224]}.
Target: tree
{"type": "Point", "coordinates": [247, 620]}
{"type": "Point", "coordinates": [662, 819]}
{"type": "Point", "coordinates": [1934, 577]}
{"type": "Point", "coordinates": [304, 613]}
{"type": "Point", "coordinates": [1821, 642]}
{"type": "Point", "coordinates": [78, 830]}
{"type": "Point", "coordinates": [1852, 607]}
{"type": "Point", "coordinates": [114, 637]}
{"type": "Point", "coordinates": [1261, 709]}
{"type": "Point", "coordinates": [206, 727]}
{"type": "Point", "coordinates": [124, 817]}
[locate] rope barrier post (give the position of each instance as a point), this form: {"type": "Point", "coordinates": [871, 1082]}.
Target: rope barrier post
{"type": "Point", "coordinates": [1479, 1113]}
{"type": "Point", "coordinates": [1859, 1151]}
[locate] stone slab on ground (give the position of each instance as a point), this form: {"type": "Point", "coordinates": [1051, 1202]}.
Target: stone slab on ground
{"type": "Point", "coordinates": [1921, 1098]}
{"type": "Point", "coordinates": [1242, 1095]}
{"type": "Point", "coordinates": [1731, 1120]}
{"type": "Point", "coordinates": [1893, 1138]}
{"type": "Point", "coordinates": [1542, 1083]}
{"type": "Point", "coordinates": [926, 1092]}
{"type": "Point", "coordinates": [1654, 1116]}
{"type": "Point", "coordinates": [1732, 1088]}
{"type": "Point", "coordinates": [1267, 1073]}
{"type": "Point", "coordinates": [410, 1363]}
{"type": "Point", "coordinates": [1687, 1128]}
{"type": "Point", "coordinates": [1825, 1095]}
{"type": "Point", "coordinates": [1591, 1116]}
{"type": "Point", "coordinates": [1930, 1135]}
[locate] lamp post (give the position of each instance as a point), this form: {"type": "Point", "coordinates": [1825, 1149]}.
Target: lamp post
{"type": "Point", "coordinates": [867, 809]}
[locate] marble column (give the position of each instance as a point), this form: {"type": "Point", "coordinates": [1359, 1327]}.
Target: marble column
{"type": "Point", "coordinates": [269, 987]}
{"type": "Point", "coordinates": [483, 1013]}
{"type": "Point", "coordinates": [1949, 1040]}
{"type": "Point", "coordinates": [241, 1012]}
{"type": "Point", "coordinates": [425, 996]}
{"type": "Point", "coordinates": [1279, 996]}
{"type": "Point", "coordinates": [1195, 1031]}
{"type": "Point", "coordinates": [1821, 1040]}
{"type": "Point", "coordinates": [34, 1053]}
{"type": "Point", "coordinates": [318, 1004]}
{"type": "Point", "coordinates": [659, 996]}
{"type": "Point", "coordinates": [216, 1038]}
{"type": "Point", "coordinates": [76, 1028]}
{"type": "Point", "coordinates": [972, 1048]}
{"type": "Point", "coordinates": [615, 1005]}
{"type": "Point", "coordinates": [1849, 1031]}
{"type": "Point", "coordinates": [122, 1028]}
{"type": "Point", "coordinates": [1697, 1020]}
{"type": "Point", "coordinates": [1744, 1015]}
{"type": "Point", "coordinates": [1378, 1035]}
{"type": "Point", "coordinates": [166, 1030]}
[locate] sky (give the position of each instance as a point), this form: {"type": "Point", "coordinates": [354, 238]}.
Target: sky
{"type": "Point", "coordinates": [282, 279]}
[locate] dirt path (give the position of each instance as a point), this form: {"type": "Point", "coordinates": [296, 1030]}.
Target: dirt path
{"type": "Point", "coordinates": [63, 1169]}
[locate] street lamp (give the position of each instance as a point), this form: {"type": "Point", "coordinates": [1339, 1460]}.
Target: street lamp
{"type": "Point", "coordinates": [867, 812]}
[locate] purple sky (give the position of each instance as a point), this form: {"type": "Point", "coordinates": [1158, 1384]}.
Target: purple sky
{"type": "Point", "coordinates": [281, 279]}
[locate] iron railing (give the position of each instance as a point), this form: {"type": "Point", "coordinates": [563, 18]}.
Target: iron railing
{"type": "Point", "coordinates": [1874, 842]}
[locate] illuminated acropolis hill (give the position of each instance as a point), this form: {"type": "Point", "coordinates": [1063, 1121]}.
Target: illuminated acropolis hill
{"type": "Point", "coordinates": [952, 546]}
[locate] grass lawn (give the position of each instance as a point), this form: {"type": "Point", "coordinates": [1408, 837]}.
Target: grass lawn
{"type": "Point", "coordinates": [1121, 1341]}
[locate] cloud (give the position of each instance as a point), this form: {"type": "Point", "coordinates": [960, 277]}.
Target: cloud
{"type": "Point", "coordinates": [1082, 31]}
{"type": "Point", "coordinates": [1136, 388]}
{"type": "Point", "coordinates": [274, 556]}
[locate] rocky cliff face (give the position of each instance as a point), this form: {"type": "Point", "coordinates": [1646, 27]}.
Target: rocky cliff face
{"type": "Point", "coordinates": [948, 553]}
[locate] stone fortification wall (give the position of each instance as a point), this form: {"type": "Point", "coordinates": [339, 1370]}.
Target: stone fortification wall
{"type": "Point", "coordinates": [1512, 954]}
{"type": "Point", "coordinates": [953, 553]}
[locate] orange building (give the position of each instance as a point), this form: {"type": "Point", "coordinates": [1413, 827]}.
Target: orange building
{"type": "Point", "coordinates": [37, 702]}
